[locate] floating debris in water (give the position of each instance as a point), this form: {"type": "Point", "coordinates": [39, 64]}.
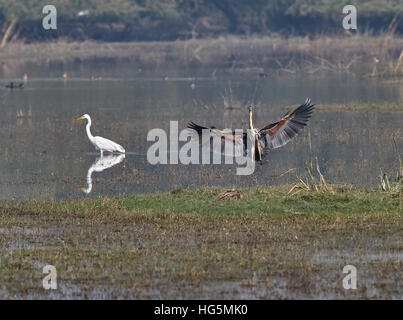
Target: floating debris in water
{"type": "Point", "coordinates": [82, 13]}
{"type": "Point", "coordinates": [263, 75]}
{"type": "Point", "coordinates": [13, 85]}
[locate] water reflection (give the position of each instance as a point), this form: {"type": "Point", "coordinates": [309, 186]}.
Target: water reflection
{"type": "Point", "coordinates": [101, 163]}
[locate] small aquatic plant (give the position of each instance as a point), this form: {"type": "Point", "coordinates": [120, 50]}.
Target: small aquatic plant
{"type": "Point", "coordinates": [396, 185]}
{"type": "Point", "coordinates": [311, 182]}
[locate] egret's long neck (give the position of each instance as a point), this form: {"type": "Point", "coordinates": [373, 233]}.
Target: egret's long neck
{"type": "Point", "coordinates": [250, 120]}
{"type": "Point", "coordinates": [87, 127]}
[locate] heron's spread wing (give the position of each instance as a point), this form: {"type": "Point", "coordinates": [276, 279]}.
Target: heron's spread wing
{"type": "Point", "coordinates": [108, 145]}
{"type": "Point", "coordinates": [277, 134]}
{"type": "Point", "coordinates": [226, 141]}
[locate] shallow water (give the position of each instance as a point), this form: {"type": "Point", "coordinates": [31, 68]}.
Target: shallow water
{"type": "Point", "coordinates": [46, 155]}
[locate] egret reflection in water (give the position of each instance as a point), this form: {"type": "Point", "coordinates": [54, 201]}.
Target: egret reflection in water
{"type": "Point", "coordinates": [101, 163]}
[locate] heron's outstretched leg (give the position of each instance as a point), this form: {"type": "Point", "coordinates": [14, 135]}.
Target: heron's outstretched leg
{"type": "Point", "coordinates": [259, 152]}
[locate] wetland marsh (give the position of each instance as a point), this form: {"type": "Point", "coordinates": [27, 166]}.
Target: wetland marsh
{"type": "Point", "coordinates": [139, 231]}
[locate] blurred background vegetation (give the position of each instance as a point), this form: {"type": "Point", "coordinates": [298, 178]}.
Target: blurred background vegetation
{"type": "Point", "coordinates": [166, 20]}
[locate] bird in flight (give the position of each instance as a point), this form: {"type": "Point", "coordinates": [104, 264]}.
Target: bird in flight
{"type": "Point", "coordinates": [100, 143]}
{"type": "Point", "coordinates": [261, 141]}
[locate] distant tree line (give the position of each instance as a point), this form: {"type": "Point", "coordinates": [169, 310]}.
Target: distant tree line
{"type": "Point", "coordinates": [156, 20]}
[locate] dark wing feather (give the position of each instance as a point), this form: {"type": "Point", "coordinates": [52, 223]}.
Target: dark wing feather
{"type": "Point", "coordinates": [225, 135]}
{"type": "Point", "coordinates": [197, 128]}
{"type": "Point", "coordinates": [277, 134]}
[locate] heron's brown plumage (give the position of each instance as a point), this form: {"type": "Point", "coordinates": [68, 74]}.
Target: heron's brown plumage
{"type": "Point", "coordinates": [271, 136]}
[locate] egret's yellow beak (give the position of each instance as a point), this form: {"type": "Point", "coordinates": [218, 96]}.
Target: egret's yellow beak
{"type": "Point", "coordinates": [79, 118]}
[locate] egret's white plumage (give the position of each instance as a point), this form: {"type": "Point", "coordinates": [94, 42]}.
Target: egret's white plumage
{"type": "Point", "coordinates": [100, 143]}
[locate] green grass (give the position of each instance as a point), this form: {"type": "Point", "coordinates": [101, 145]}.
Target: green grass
{"type": "Point", "coordinates": [186, 244]}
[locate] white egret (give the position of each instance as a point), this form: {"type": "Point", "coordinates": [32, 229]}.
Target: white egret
{"type": "Point", "coordinates": [101, 144]}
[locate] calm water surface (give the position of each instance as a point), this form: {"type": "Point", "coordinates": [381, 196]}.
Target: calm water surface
{"type": "Point", "coordinates": [46, 155]}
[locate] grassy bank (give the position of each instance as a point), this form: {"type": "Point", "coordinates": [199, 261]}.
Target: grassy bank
{"type": "Point", "coordinates": [189, 244]}
{"type": "Point", "coordinates": [291, 55]}
{"type": "Point", "coordinates": [385, 106]}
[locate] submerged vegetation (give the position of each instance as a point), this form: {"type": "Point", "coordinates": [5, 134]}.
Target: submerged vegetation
{"type": "Point", "coordinates": [196, 244]}
{"type": "Point", "coordinates": [396, 185]}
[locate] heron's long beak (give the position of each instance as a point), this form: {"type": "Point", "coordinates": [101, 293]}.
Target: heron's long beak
{"type": "Point", "coordinates": [79, 118]}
